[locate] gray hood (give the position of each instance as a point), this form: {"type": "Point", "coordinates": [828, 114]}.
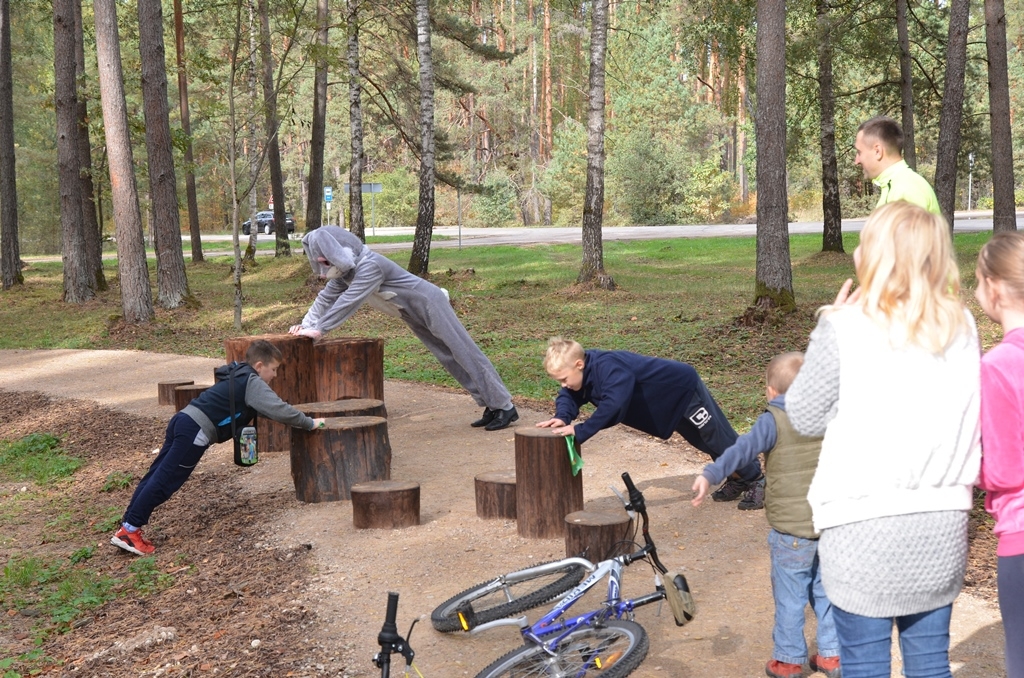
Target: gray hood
{"type": "Point", "coordinates": [339, 247]}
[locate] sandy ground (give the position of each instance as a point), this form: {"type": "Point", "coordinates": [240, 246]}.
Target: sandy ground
{"type": "Point", "coordinates": [721, 550]}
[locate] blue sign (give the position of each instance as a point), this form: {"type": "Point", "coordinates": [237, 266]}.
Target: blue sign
{"type": "Point", "coordinates": [328, 193]}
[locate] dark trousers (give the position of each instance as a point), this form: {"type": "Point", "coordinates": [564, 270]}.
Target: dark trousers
{"type": "Point", "coordinates": [1010, 576]}
{"type": "Point", "coordinates": [705, 427]}
{"type": "Point", "coordinates": [171, 468]}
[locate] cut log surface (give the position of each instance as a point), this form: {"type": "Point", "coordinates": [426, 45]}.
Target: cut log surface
{"type": "Point", "coordinates": [165, 390]}
{"type": "Point", "coordinates": [385, 504]}
{"type": "Point", "coordinates": [295, 381]}
{"type": "Point", "coordinates": [546, 490]}
{"type": "Point", "coordinates": [327, 462]}
{"type": "Point", "coordinates": [349, 407]}
{"type": "Point", "coordinates": [183, 395]}
{"type": "Point", "coordinates": [496, 495]}
{"type": "Point", "coordinates": [600, 534]}
{"type": "Point", "coordinates": [349, 367]}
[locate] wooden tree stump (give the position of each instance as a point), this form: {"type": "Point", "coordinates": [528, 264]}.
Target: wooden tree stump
{"type": "Point", "coordinates": [327, 462]}
{"type": "Point", "coordinates": [295, 381]}
{"type": "Point", "coordinates": [546, 490]}
{"type": "Point", "coordinates": [349, 407]}
{"type": "Point", "coordinates": [600, 533]}
{"type": "Point", "coordinates": [385, 504]}
{"type": "Point", "coordinates": [349, 367]}
{"type": "Point", "coordinates": [496, 495]}
{"type": "Point", "coordinates": [183, 395]}
{"type": "Point", "coordinates": [165, 390]}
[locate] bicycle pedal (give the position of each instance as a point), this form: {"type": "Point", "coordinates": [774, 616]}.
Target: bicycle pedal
{"type": "Point", "coordinates": [467, 617]}
{"type": "Point", "coordinates": [677, 592]}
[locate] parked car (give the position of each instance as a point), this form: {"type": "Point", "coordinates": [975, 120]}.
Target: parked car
{"type": "Point", "coordinates": [265, 223]}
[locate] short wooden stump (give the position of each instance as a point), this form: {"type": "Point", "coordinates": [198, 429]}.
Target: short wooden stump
{"type": "Point", "coordinates": [183, 395]}
{"type": "Point", "coordinates": [385, 504]}
{"type": "Point", "coordinates": [165, 390]}
{"type": "Point", "coordinates": [349, 367]}
{"type": "Point", "coordinates": [327, 462]}
{"type": "Point", "coordinates": [496, 495]}
{"type": "Point", "coordinates": [600, 534]}
{"type": "Point", "coordinates": [546, 489]}
{"type": "Point", "coordinates": [349, 407]}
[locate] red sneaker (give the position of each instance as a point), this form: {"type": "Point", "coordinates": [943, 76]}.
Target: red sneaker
{"type": "Point", "coordinates": [133, 542]}
{"type": "Point", "coordinates": [827, 665]}
{"type": "Point", "coordinates": [777, 669]}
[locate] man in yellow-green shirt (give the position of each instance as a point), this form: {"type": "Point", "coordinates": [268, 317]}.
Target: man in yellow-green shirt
{"type": "Point", "coordinates": [880, 154]}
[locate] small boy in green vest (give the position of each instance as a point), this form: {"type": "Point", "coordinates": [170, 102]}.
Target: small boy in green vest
{"type": "Point", "coordinates": [790, 462]}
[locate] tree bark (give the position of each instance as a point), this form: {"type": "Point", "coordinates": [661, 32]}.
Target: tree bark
{"type": "Point", "coordinates": [774, 275]}
{"type": "Point", "coordinates": [282, 249]}
{"type": "Point", "coordinates": [419, 262]}
{"type": "Point", "coordinates": [172, 284]}
{"type": "Point", "coordinates": [10, 252]}
{"type": "Point", "coordinates": [1004, 216]}
{"type": "Point", "coordinates": [355, 116]}
{"type": "Point", "coordinates": [906, 84]}
{"type": "Point", "coordinates": [136, 293]}
{"type": "Point", "coordinates": [832, 232]}
{"type": "Point", "coordinates": [79, 280]}
{"type": "Point", "coordinates": [93, 233]}
{"type": "Point", "coordinates": [186, 128]}
{"type": "Point", "coordinates": [952, 108]}
{"type": "Point", "coordinates": [315, 180]}
{"type": "Point", "coordinates": [547, 133]}
{"type": "Point", "coordinates": [592, 268]}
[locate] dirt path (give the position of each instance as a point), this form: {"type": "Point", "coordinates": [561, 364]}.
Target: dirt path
{"type": "Point", "coordinates": [721, 550]}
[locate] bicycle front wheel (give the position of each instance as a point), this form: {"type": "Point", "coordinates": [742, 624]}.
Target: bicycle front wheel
{"type": "Point", "coordinates": [612, 650]}
{"type": "Point", "coordinates": [492, 600]}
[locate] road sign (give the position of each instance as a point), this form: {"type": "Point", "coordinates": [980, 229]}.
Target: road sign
{"type": "Point", "coordinates": [369, 188]}
{"type": "Point", "coordinates": [328, 193]}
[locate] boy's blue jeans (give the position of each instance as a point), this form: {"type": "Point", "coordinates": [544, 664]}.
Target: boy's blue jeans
{"type": "Point", "coordinates": [796, 581]}
{"type": "Point", "coordinates": [867, 644]}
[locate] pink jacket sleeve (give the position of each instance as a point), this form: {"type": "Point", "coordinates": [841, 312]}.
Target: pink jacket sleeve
{"type": "Point", "coordinates": [1002, 462]}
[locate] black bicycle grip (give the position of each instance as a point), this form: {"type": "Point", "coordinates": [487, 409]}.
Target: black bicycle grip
{"type": "Point", "coordinates": [389, 632]}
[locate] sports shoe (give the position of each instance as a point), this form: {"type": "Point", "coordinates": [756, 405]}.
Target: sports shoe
{"type": "Point", "coordinates": [731, 490]}
{"type": "Point", "coordinates": [753, 498]}
{"type": "Point", "coordinates": [777, 669]}
{"type": "Point", "coordinates": [827, 665]}
{"type": "Point", "coordinates": [133, 542]}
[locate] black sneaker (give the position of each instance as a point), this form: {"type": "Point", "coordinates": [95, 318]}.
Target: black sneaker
{"type": "Point", "coordinates": [731, 490]}
{"type": "Point", "coordinates": [753, 498]}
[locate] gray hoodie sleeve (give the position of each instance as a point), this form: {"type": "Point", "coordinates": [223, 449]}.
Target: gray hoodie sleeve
{"type": "Point", "coordinates": [338, 301]}
{"type": "Point", "coordinates": [260, 397]}
{"type": "Point", "coordinates": [813, 398]}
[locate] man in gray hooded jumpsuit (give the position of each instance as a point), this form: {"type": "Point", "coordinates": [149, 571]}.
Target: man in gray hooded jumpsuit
{"type": "Point", "coordinates": [356, 275]}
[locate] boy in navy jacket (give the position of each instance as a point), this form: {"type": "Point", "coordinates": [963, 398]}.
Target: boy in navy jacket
{"type": "Point", "coordinates": [657, 396]}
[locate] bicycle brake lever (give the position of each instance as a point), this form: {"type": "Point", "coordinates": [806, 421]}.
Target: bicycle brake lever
{"type": "Point", "coordinates": [625, 504]}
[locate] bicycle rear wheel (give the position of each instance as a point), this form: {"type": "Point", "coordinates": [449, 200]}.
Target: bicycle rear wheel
{"type": "Point", "coordinates": [492, 600]}
{"type": "Point", "coordinates": [612, 650]}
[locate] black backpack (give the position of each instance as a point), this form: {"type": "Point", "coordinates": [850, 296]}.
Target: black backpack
{"type": "Point", "coordinates": [228, 372]}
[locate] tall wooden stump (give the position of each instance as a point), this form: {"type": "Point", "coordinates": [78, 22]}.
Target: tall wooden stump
{"type": "Point", "coordinates": [385, 504]}
{"type": "Point", "coordinates": [496, 495]}
{"type": "Point", "coordinates": [183, 395]}
{"type": "Point", "coordinates": [295, 381]}
{"type": "Point", "coordinates": [349, 407]}
{"type": "Point", "coordinates": [601, 534]}
{"type": "Point", "coordinates": [165, 390]}
{"type": "Point", "coordinates": [327, 462]}
{"type": "Point", "coordinates": [349, 367]}
{"type": "Point", "coordinates": [546, 490]}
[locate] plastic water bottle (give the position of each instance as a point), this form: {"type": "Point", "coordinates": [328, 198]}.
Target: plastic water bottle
{"type": "Point", "coordinates": [247, 445]}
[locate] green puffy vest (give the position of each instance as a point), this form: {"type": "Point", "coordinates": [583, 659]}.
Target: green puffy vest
{"type": "Point", "coordinates": [789, 468]}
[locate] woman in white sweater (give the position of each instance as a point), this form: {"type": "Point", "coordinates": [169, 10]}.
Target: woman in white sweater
{"type": "Point", "coordinates": [891, 379]}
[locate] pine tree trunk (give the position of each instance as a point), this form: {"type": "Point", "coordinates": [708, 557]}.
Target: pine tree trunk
{"type": "Point", "coordinates": [172, 284]}
{"type": "Point", "coordinates": [93, 234]}
{"type": "Point", "coordinates": [592, 268]}
{"type": "Point", "coordinates": [282, 249]}
{"type": "Point", "coordinates": [136, 293]}
{"type": "Point", "coordinates": [906, 84]}
{"type": "Point", "coordinates": [186, 129]}
{"type": "Point", "coordinates": [548, 135]}
{"type": "Point", "coordinates": [355, 116]}
{"type": "Point", "coordinates": [952, 108]}
{"type": "Point", "coordinates": [1004, 217]}
{"type": "Point", "coordinates": [315, 180]}
{"type": "Point", "coordinates": [741, 124]}
{"type": "Point", "coordinates": [252, 147]}
{"type": "Point", "coordinates": [10, 252]}
{"type": "Point", "coordinates": [774, 275]}
{"type": "Point", "coordinates": [79, 279]}
{"type": "Point", "coordinates": [832, 232]}
{"type": "Point", "coordinates": [419, 262]}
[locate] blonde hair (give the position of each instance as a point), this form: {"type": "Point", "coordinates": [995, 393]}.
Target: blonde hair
{"type": "Point", "coordinates": [782, 370]}
{"type": "Point", "coordinates": [910, 283]}
{"type": "Point", "coordinates": [1002, 259]}
{"type": "Point", "coordinates": [561, 353]}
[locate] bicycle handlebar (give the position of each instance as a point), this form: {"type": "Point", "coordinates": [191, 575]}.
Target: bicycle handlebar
{"type": "Point", "coordinates": [637, 503]}
{"type": "Point", "coordinates": [389, 640]}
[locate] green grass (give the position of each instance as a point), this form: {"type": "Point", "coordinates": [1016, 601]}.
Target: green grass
{"type": "Point", "coordinates": [37, 457]}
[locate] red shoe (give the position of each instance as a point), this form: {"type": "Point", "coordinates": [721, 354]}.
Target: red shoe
{"type": "Point", "coordinates": [827, 665]}
{"type": "Point", "coordinates": [133, 542]}
{"type": "Point", "coordinates": [777, 669]}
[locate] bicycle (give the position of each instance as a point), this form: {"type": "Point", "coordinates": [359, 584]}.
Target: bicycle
{"type": "Point", "coordinates": [392, 643]}
{"type": "Point", "coordinates": [595, 643]}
